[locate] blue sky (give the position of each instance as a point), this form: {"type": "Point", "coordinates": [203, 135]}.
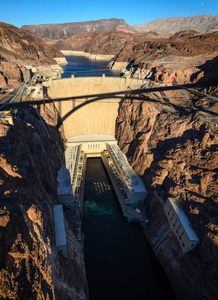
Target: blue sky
{"type": "Point", "coordinates": [23, 12]}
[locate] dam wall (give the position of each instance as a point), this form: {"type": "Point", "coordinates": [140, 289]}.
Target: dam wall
{"type": "Point", "coordinates": [89, 115]}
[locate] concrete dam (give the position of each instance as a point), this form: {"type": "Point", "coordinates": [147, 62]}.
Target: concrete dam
{"type": "Point", "coordinates": [89, 114]}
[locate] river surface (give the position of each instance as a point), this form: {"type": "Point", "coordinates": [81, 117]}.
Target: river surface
{"type": "Point", "coordinates": [81, 66]}
{"type": "Point", "coordinates": [119, 263]}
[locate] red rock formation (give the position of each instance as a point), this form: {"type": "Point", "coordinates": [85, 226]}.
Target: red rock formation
{"type": "Point", "coordinates": [176, 77]}
{"type": "Point", "coordinates": [97, 42]}
{"type": "Point", "coordinates": [13, 75]}
{"type": "Point", "coordinates": [18, 44]}
{"type": "Point", "coordinates": [174, 148]}
{"type": "Point", "coordinates": [139, 49]}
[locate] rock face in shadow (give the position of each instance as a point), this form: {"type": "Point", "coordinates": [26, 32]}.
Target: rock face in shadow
{"type": "Point", "coordinates": [65, 30]}
{"type": "Point", "coordinates": [30, 155]}
{"type": "Point", "coordinates": [19, 48]}
{"type": "Point", "coordinates": [171, 141]}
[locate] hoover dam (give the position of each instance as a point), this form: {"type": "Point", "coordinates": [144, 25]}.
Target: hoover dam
{"type": "Point", "coordinates": [93, 109]}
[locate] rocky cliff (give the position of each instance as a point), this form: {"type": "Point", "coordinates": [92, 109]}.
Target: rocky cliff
{"type": "Point", "coordinates": [170, 139]}
{"type": "Point", "coordinates": [65, 30]}
{"type": "Point", "coordinates": [183, 44]}
{"type": "Point", "coordinates": [203, 23]}
{"type": "Point", "coordinates": [30, 268]}
{"type": "Point", "coordinates": [20, 48]}
{"type": "Point", "coordinates": [174, 60]}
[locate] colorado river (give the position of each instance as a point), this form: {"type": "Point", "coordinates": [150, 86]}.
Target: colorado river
{"type": "Point", "coordinates": [119, 263]}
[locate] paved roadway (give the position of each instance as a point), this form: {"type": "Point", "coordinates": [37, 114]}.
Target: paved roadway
{"type": "Point", "coordinates": [12, 97]}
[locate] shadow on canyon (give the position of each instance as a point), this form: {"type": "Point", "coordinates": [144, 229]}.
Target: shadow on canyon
{"type": "Point", "coordinates": [31, 152]}
{"type": "Point", "coordinates": [27, 180]}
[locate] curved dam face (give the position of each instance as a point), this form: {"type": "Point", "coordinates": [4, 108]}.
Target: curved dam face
{"type": "Point", "coordinates": [93, 108]}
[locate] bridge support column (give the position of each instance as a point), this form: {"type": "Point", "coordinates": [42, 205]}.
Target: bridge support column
{"type": "Point", "coordinates": [126, 81]}
{"type": "Point", "coordinates": [103, 78]}
{"type": "Point", "coordinates": [51, 83]}
{"type": "Point", "coordinates": [72, 80]}
{"type": "Point", "coordinates": [73, 103]}
{"type": "Point", "coordinates": [60, 108]}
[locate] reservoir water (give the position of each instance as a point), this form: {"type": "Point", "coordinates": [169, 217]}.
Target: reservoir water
{"type": "Point", "coordinates": [81, 66]}
{"type": "Point", "coordinates": [119, 263]}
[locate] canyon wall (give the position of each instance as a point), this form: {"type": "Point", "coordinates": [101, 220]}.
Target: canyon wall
{"type": "Point", "coordinates": [171, 142]}
{"type": "Point", "coordinates": [30, 155]}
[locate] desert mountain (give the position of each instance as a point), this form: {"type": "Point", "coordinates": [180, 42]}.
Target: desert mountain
{"type": "Point", "coordinates": [21, 45]}
{"type": "Point", "coordinates": [97, 42]}
{"type": "Point", "coordinates": [65, 30]}
{"type": "Point", "coordinates": [141, 47]}
{"type": "Point", "coordinates": [188, 45]}
{"type": "Point", "coordinates": [18, 48]}
{"type": "Point", "coordinates": [203, 23]}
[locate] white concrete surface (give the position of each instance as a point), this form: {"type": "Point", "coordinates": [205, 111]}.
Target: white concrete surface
{"type": "Point", "coordinates": [60, 233]}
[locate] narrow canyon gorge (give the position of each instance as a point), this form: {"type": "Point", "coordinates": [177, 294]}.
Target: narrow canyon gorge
{"type": "Point", "coordinates": [169, 136]}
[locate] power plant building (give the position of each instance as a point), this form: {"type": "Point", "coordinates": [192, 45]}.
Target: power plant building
{"type": "Point", "coordinates": [180, 225]}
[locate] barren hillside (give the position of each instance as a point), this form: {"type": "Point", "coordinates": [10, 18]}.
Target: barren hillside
{"type": "Point", "coordinates": [203, 23]}
{"type": "Point", "coordinates": [65, 30]}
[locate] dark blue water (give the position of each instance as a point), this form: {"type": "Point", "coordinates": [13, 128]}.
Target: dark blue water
{"type": "Point", "coordinates": [119, 263]}
{"type": "Point", "coordinates": [81, 66]}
